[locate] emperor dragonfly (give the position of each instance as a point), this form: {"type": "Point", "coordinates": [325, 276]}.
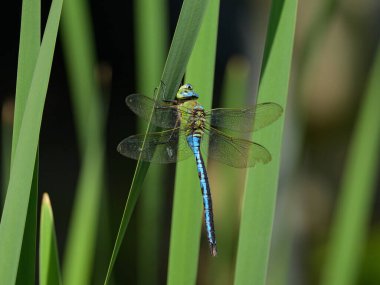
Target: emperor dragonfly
{"type": "Point", "coordinates": [189, 124]}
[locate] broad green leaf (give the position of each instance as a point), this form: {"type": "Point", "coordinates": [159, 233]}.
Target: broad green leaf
{"type": "Point", "coordinates": [30, 38]}
{"type": "Point", "coordinates": [26, 268]}
{"type": "Point", "coordinates": [187, 206]}
{"type": "Point", "coordinates": [261, 189]}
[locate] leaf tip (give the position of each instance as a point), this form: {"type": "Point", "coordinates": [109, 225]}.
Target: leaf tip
{"type": "Point", "coordinates": [46, 199]}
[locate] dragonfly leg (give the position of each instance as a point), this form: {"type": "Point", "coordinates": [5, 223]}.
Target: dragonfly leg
{"type": "Point", "coordinates": [177, 124]}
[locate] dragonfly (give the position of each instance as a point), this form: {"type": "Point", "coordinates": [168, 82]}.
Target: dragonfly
{"type": "Point", "coordinates": [190, 130]}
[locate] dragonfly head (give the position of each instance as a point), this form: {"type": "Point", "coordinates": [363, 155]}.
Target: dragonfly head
{"type": "Point", "coordinates": [186, 92]}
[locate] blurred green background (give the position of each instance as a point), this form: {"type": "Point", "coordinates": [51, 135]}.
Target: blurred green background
{"type": "Point", "coordinates": [334, 53]}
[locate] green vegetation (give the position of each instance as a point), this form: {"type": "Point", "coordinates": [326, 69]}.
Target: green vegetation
{"type": "Point", "coordinates": [171, 244]}
{"type": "Point", "coordinates": [356, 198]}
{"type": "Point", "coordinates": [187, 206]}
{"type": "Point", "coordinates": [89, 114]}
{"type": "Point", "coordinates": [50, 272]}
{"type": "Point", "coordinates": [262, 181]}
{"type": "Point", "coordinates": [20, 192]}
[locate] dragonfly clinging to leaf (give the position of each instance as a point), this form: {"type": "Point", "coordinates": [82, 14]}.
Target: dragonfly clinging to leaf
{"type": "Point", "coordinates": [189, 126]}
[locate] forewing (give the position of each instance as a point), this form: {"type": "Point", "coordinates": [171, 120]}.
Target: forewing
{"type": "Point", "coordinates": [165, 116]}
{"type": "Point", "coordinates": [235, 152]}
{"type": "Point", "coordinates": [159, 147]}
{"type": "Point", "coordinates": [245, 120]}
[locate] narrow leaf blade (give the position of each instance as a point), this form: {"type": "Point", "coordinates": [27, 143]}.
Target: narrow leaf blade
{"type": "Point", "coordinates": [260, 194]}
{"type": "Point", "coordinates": [16, 203]}
{"type": "Point", "coordinates": [49, 264]}
{"type": "Point", "coordinates": [187, 206]}
{"type": "Point", "coordinates": [89, 116]}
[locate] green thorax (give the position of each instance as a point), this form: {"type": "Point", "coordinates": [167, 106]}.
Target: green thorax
{"type": "Point", "coordinates": [192, 117]}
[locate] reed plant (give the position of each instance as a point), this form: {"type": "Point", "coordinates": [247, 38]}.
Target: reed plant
{"type": "Point", "coordinates": [245, 236]}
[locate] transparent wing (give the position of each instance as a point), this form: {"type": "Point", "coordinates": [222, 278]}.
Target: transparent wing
{"type": "Point", "coordinates": [245, 120]}
{"type": "Point", "coordinates": [165, 116]}
{"type": "Point", "coordinates": [159, 147]}
{"type": "Point", "coordinates": [235, 152]}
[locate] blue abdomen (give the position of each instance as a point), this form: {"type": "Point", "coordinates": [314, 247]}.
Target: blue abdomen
{"type": "Point", "coordinates": [194, 142]}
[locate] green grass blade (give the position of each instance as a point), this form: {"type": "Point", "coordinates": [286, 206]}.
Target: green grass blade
{"type": "Point", "coordinates": [183, 41]}
{"type": "Point", "coordinates": [187, 207]}
{"type": "Point", "coordinates": [79, 52]}
{"type": "Point", "coordinates": [358, 188]}
{"type": "Point", "coordinates": [30, 37]}
{"type": "Point", "coordinates": [151, 40]}
{"type": "Point", "coordinates": [80, 248]}
{"type": "Point", "coordinates": [80, 245]}
{"type": "Point", "coordinates": [26, 267]}
{"type": "Point", "coordinates": [260, 194]}
{"type": "Point", "coordinates": [49, 263]}
{"type": "Point", "coordinates": [16, 203]}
